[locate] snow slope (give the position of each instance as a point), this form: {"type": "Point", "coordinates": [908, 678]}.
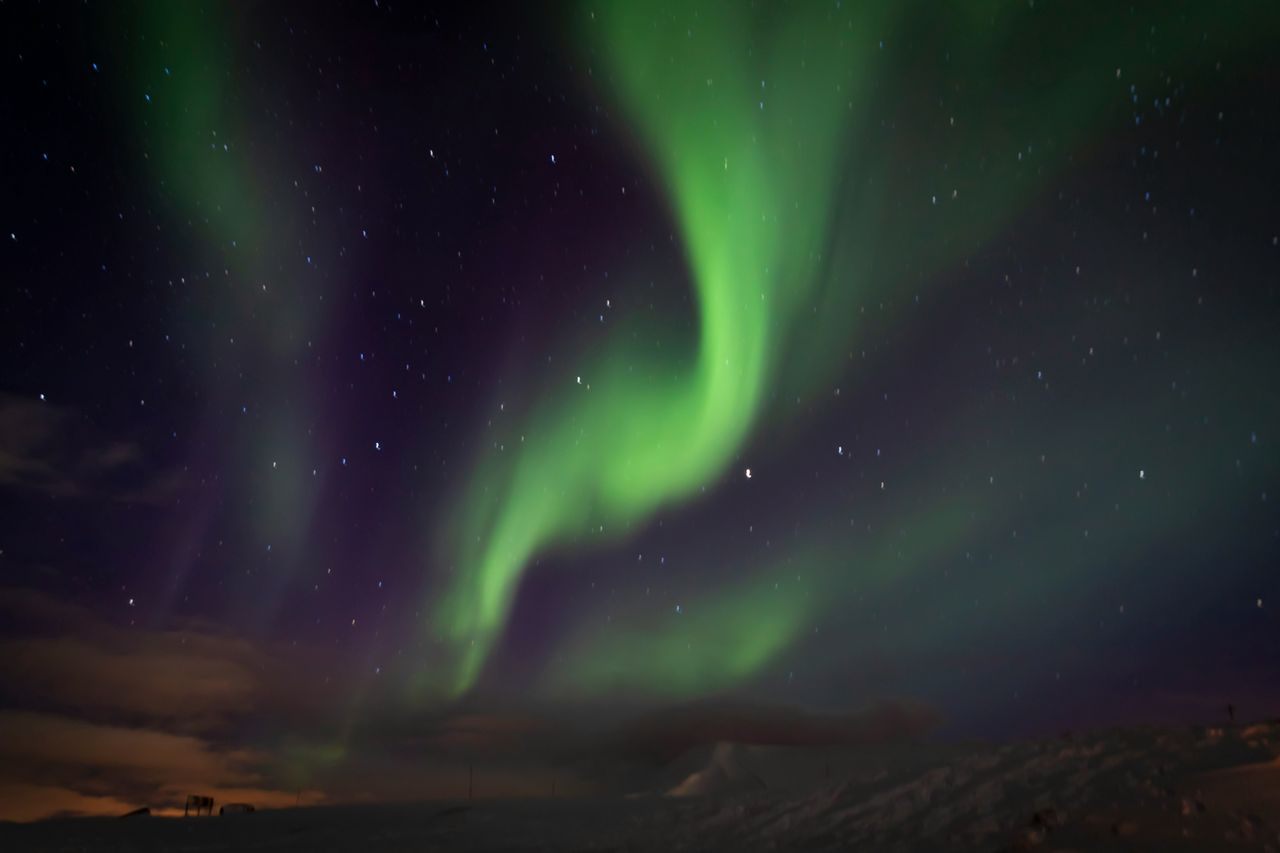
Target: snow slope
{"type": "Point", "coordinates": [728, 773]}
{"type": "Point", "coordinates": [1133, 789]}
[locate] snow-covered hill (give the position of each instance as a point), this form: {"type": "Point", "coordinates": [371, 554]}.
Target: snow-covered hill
{"type": "Point", "coordinates": [1133, 789]}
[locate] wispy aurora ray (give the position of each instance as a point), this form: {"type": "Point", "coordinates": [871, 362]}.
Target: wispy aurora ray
{"type": "Point", "coordinates": [790, 170]}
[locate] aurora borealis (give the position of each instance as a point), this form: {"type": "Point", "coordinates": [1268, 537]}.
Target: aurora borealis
{"type": "Point", "coordinates": [403, 376]}
{"type": "Point", "coordinates": [753, 192]}
{"type": "Point", "coordinates": [641, 434]}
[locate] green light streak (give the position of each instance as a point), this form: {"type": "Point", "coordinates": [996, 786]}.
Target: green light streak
{"type": "Point", "coordinates": [750, 190]}
{"type": "Point", "coordinates": [182, 93]}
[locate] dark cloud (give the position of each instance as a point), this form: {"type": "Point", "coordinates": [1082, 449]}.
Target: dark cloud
{"type": "Point", "coordinates": [103, 717]}
{"type": "Point", "coordinates": [58, 765]}
{"type": "Point", "coordinates": [54, 450]}
{"type": "Point", "coordinates": [192, 678]}
{"type": "Point", "coordinates": [663, 735]}
{"type": "Point", "coordinates": [193, 688]}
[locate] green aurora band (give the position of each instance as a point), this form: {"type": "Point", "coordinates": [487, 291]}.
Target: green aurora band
{"type": "Point", "coordinates": [767, 129]}
{"type": "Point", "coordinates": [197, 136]}
{"type": "Point", "coordinates": [751, 190]}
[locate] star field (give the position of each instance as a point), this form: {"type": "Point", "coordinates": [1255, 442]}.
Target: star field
{"type": "Point", "coordinates": [621, 356]}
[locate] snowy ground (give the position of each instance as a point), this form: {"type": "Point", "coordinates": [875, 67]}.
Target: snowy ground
{"type": "Point", "coordinates": [1135, 789]}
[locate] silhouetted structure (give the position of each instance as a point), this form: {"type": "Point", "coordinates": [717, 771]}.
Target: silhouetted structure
{"type": "Point", "coordinates": [142, 812]}
{"type": "Point", "coordinates": [199, 803]}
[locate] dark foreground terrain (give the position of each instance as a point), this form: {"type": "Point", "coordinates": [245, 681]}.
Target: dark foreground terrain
{"type": "Point", "coordinates": [1136, 789]}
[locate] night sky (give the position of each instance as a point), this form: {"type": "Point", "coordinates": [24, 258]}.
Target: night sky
{"type": "Point", "coordinates": [386, 389]}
